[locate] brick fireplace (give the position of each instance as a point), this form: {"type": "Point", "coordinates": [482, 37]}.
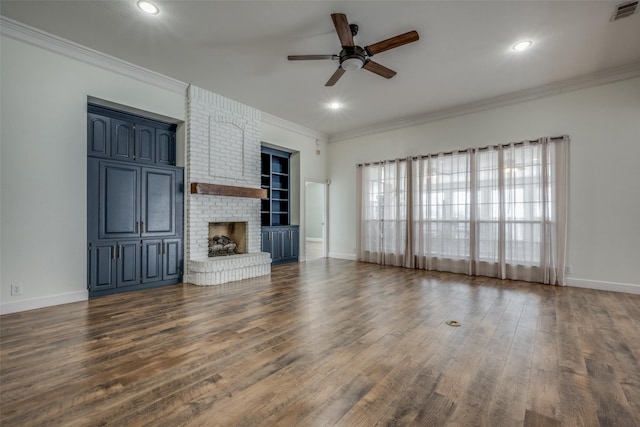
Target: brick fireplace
{"type": "Point", "coordinates": [223, 152]}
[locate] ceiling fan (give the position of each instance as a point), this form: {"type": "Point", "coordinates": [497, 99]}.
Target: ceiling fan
{"type": "Point", "coordinates": [354, 57]}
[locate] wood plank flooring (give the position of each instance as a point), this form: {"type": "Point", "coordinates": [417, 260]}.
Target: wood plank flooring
{"type": "Point", "coordinates": [328, 342]}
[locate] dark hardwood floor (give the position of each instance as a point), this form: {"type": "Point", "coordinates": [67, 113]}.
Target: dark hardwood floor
{"type": "Point", "coordinates": [328, 342]}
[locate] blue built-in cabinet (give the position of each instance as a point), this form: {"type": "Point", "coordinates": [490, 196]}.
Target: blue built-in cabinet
{"type": "Point", "coordinates": [282, 242]}
{"type": "Point", "coordinates": [279, 237]}
{"type": "Point", "coordinates": [121, 136]}
{"type": "Point", "coordinates": [134, 203]}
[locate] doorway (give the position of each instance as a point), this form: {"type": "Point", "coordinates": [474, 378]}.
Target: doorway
{"type": "Point", "coordinates": [315, 213]}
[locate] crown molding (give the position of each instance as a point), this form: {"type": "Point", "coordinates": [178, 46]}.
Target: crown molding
{"type": "Point", "coordinates": [53, 43]}
{"type": "Point", "coordinates": [293, 127]}
{"type": "Point", "coordinates": [599, 78]}
{"type": "Point", "coordinates": [48, 41]}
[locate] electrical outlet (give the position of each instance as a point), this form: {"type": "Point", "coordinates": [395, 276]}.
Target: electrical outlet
{"type": "Point", "coordinates": [16, 289]}
{"type": "Point", "coordinates": [567, 269]}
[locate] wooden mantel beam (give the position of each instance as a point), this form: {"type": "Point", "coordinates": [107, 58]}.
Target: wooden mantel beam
{"type": "Point", "coordinates": [227, 190]}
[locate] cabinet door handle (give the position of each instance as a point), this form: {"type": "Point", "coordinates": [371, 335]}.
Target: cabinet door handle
{"type": "Point", "coordinates": [119, 251]}
{"type": "Point", "coordinates": [142, 226]}
{"type": "Point", "coordinates": [137, 227]}
{"type": "Point", "coordinates": [113, 252]}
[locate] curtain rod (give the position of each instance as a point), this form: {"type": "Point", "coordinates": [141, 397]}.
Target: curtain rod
{"type": "Point", "coordinates": [466, 150]}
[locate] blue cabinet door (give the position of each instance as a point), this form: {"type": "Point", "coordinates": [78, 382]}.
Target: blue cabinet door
{"type": "Point", "coordinates": [102, 273]}
{"type": "Point", "coordinates": [165, 147]}
{"type": "Point", "coordinates": [286, 243]}
{"type": "Point", "coordinates": [294, 241]}
{"type": "Point", "coordinates": [158, 204]}
{"type": "Point", "coordinates": [145, 144]}
{"type": "Point", "coordinates": [122, 140]}
{"type": "Point", "coordinates": [118, 209]}
{"type": "Point", "coordinates": [272, 242]}
{"type": "Point", "coordinates": [277, 248]}
{"type": "Point", "coordinates": [128, 264]}
{"type": "Point", "coordinates": [98, 135]}
{"type": "Point", "coordinates": [152, 260]}
{"type": "Point", "coordinates": [172, 259]}
{"type": "Point", "coordinates": [290, 242]}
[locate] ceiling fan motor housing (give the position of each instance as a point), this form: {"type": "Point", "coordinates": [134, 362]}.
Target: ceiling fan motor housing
{"type": "Point", "coordinates": [352, 58]}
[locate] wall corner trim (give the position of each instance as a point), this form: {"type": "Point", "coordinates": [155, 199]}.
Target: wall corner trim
{"type": "Point", "coordinates": [53, 43]}
{"type": "Point", "coordinates": [48, 301]}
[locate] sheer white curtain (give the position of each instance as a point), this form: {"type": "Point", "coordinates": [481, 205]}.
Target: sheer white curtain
{"type": "Point", "coordinates": [382, 209]}
{"type": "Point", "coordinates": [497, 211]}
{"type": "Point", "coordinates": [535, 211]}
{"type": "Point", "coordinates": [519, 217]}
{"type": "Point", "coordinates": [441, 212]}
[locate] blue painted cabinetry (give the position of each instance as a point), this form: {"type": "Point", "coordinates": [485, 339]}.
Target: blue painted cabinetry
{"type": "Point", "coordinates": [161, 260]}
{"type": "Point", "coordinates": [282, 242]}
{"type": "Point", "coordinates": [134, 204]}
{"type": "Point", "coordinates": [114, 264]}
{"type": "Point", "coordinates": [122, 136]}
{"type": "Point", "coordinates": [278, 237]}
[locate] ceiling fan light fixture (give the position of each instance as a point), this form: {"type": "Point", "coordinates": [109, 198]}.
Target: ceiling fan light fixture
{"type": "Point", "coordinates": [351, 64]}
{"type": "Point", "coordinates": [522, 45]}
{"type": "Point", "coordinates": [148, 7]}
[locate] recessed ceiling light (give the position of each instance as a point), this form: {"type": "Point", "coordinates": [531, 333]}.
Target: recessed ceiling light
{"type": "Point", "coordinates": [335, 105]}
{"type": "Point", "coordinates": [522, 45]}
{"type": "Point", "coordinates": [148, 7]}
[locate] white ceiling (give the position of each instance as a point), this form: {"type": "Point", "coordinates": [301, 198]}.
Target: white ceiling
{"type": "Point", "coordinates": [239, 49]}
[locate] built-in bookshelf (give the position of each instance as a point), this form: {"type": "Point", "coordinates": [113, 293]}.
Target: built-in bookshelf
{"type": "Point", "coordinates": [279, 237]}
{"type": "Point", "coordinates": [275, 209]}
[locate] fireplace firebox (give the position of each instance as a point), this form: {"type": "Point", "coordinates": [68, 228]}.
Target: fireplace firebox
{"type": "Point", "coordinates": [227, 238]}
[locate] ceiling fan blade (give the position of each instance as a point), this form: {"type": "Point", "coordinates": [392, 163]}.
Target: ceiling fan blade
{"type": "Point", "coordinates": [378, 69]}
{"type": "Point", "coordinates": [343, 29]}
{"type": "Point", "coordinates": [310, 57]}
{"type": "Point", "coordinates": [335, 77]}
{"type": "Point", "coordinates": [391, 43]}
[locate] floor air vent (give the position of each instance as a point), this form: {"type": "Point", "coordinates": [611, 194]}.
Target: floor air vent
{"type": "Point", "coordinates": [624, 9]}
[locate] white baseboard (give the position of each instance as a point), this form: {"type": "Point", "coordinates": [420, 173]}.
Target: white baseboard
{"type": "Point", "coordinates": [604, 286]}
{"type": "Point", "coordinates": [31, 304]}
{"type": "Point", "coordinates": [339, 255]}
{"type": "Point", "coordinates": [314, 239]}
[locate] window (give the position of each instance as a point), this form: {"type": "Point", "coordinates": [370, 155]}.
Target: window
{"type": "Point", "coordinates": [384, 213]}
{"type": "Point", "coordinates": [498, 211]}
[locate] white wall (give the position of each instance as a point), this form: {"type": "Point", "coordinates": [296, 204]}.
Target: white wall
{"type": "Point", "coordinates": [43, 167]}
{"type": "Point", "coordinates": [604, 125]}
{"type": "Point", "coordinates": [312, 166]}
{"type": "Point", "coordinates": [314, 206]}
